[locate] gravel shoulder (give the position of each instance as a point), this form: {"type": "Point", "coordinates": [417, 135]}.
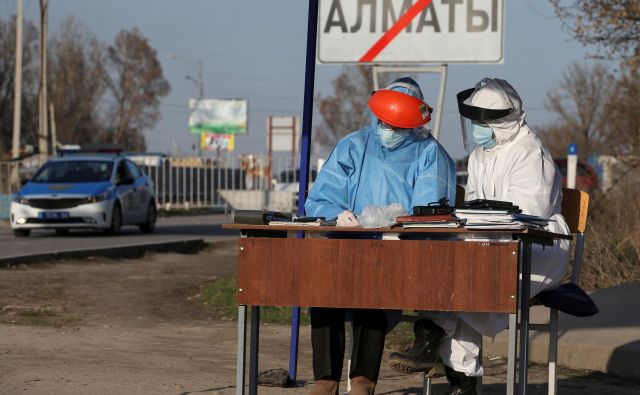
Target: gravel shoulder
{"type": "Point", "coordinates": [104, 326]}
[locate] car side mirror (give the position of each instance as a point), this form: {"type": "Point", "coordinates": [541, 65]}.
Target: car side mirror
{"type": "Point", "coordinates": [126, 181]}
{"type": "Point", "coordinates": [24, 181]}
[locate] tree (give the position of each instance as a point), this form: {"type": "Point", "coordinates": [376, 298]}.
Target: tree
{"type": "Point", "coordinates": [342, 112]}
{"type": "Point", "coordinates": [7, 83]}
{"type": "Point", "coordinates": [599, 112]}
{"type": "Point", "coordinates": [345, 110]}
{"type": "Point", "coordinates": [76, 83]}
{"type": "Point", "coordinates": [579, 104]}
{"type": "Point", "coordinates": [612, 25]}
{"type": "Point", "coordinates": [622, 118]}
{"type": "Point", "coordinates": [135, 81]}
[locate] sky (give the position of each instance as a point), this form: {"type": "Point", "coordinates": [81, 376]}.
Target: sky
{"type": "Point", "coordinates": [255, 49]}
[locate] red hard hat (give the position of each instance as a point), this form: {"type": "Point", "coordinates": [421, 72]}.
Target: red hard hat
{"type": "Point", "coordinates": [399, 109]}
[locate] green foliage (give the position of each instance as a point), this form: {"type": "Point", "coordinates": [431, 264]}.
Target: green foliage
{"type": "Point", "coordinates": [220, 295]}
{"type": "Point", "coordinates": [37, 318]}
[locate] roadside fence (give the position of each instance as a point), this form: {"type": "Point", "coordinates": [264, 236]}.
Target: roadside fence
{"type": "Point", "coordinates": [183, 183]}
{"type": "Point", "coordinates": [11, 172]}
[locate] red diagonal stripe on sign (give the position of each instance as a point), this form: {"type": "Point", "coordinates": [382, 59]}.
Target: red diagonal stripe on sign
{"type": "Point", "coordinates": [395, 30]}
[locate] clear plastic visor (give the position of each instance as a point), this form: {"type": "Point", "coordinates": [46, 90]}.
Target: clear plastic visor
{"type": "Point", "coordinates": [467, 134]}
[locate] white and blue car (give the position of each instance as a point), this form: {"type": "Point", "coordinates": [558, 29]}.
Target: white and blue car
{"type": "Point", "coordinates": [85, 192]}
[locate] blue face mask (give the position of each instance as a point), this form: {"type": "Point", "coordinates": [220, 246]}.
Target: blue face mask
{"type": "Point", "coordinates": [391, 138]}
{"type": "Point", "coordinates": [483, 136]}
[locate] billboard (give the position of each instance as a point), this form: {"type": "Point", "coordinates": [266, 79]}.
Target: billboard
{"type": "Point", "coordinates": [283, 133]}
{"type": "Point", "coordinates": [213, 142]}
{"type": "Point", "coordinates": [411, 31]}
{"type": "Point", "coordinates": [218, 116]}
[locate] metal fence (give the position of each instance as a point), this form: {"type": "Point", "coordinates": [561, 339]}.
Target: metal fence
{"type": "Point", "coordinates": [220, 184]}
{"type": "Point", "coordinates": [244, 182]}
{"type": "Point", "coordinates": [223, 184]}
{"type": "Point", "coordinates": [10, 175]}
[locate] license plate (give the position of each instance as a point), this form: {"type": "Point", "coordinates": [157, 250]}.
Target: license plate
{"type": "Point", "coordinates": [53, 215]}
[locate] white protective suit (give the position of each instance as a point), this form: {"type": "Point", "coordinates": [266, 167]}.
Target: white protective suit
{"type": "Point", "coordinates": [519, 169]}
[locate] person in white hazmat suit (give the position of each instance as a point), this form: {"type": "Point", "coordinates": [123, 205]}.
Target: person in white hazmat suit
{"type": "Point", "coordinates": [508, 163]}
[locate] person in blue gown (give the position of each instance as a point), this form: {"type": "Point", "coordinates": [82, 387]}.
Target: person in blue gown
{"type": "Point", "coordinates": [391, 160]}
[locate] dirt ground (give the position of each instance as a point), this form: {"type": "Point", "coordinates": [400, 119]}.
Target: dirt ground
{"type": "Point", "coordinates": [137, 327]}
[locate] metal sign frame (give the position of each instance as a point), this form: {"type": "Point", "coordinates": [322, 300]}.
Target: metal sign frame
{"type": "Point", "coordinates": [442, 70]}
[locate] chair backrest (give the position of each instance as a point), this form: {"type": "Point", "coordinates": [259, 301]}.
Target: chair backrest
{"type": "Point", "coordinates": [459, 195]}
{"type": "Point", "coordinates": [575, 208]}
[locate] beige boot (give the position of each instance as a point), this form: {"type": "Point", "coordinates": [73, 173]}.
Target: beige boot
{"type": "Point", "coordinates": [361, 385]}
{"type": "Point", "coordinates": [325, 387]}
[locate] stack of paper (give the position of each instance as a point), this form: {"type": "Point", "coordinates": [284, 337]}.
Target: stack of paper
{"type": "Point", "coordinates": [293, 223]}
{"type": "Point", "coordinates": [499, 219]}
{"type": "Point", "coordinates": [429, 221]}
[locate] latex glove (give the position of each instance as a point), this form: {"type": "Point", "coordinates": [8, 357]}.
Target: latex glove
{"type": "Point", "coordinates": [346, 218]}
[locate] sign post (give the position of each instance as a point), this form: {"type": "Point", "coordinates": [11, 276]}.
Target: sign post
{"type": "Point", "coordinates": [305, 156]}
{"type": "Point", "coordinates": [283, 135]}
{"type": "Point", "coordinates": [572, 165]}
{"type": "Point", "coordinates": [394, 32]}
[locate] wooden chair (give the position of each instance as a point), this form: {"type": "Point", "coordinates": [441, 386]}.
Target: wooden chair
{"type": "Point", "coordinates": [575, 209]}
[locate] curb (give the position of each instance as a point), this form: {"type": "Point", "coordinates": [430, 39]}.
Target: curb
{"type": "Point", "coordinates": [192, 246]}
{"type": "Point", "coordinates": [621, 361]}
{"type": "Point", "coordinates": [597, 343]}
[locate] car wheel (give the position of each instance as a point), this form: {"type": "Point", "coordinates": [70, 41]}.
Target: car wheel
{"type": "Point", "coordinates": [150, 225]}
{"type": "Point", "coordinates": [116, 221]}
{"type": "Point", "coordinates": [21, 232]}
{"type": "Point", "coordinates": [62, 231]}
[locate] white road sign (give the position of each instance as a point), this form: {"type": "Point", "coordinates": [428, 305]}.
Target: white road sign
{"type": "Point", "coordinates": [283, 133]}
{"type": "Point", "coordinates": [411, 31]}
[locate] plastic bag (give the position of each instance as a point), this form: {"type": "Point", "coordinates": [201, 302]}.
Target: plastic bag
{"type": "Point", "coordinates": [379, 217]}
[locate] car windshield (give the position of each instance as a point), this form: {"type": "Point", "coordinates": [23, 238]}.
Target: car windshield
{"type": "Point", "coordinates": [74, 171]}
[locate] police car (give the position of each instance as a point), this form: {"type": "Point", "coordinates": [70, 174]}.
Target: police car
{"type": "Point", "coordinates": [85, 192]}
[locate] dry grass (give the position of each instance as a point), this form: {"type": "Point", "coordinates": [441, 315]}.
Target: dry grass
{"type": "Point", "coordinates": [612, 249]}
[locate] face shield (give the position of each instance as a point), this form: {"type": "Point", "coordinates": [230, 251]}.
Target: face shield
{"type": "Point", "coordinates": [475, 121]}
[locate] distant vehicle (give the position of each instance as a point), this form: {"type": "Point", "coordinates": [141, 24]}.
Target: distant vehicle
{"type": "Point", "coordinates": [586, 177]}
{"type": "Point", "coordinates": [85, 192]}
{"type": "Point", "coordinates": [288, 180]}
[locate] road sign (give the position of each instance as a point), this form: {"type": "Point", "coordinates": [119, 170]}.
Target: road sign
{"type": "Point", "coordinates": [572, 165]}
{"type": "Point", "coordinates": [411, 31]}
{"type": "Point", "coordinates": [283, 133]}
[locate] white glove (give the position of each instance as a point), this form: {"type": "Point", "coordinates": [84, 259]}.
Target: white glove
{"type": "Point", "coordinates": [346, 218]}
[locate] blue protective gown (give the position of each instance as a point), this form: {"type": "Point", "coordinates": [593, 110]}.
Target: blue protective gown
{"type": "Point", "coordinates": [361, 172]}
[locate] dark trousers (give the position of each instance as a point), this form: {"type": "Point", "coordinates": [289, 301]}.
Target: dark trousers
{"type": "Point", "coordinates": [328, 342]}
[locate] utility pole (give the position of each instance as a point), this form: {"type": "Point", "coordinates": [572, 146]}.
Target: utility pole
{"type": "Point", "coordinates": [17, 93]}
{"type": "Point", "coordinates": [54, 137]}
{"type": "Point", "coordinates": [17, 96]}
{"type": "Point", "coordinates": [199, 81]}
{"type": "Point", "coordinates": [43, 108]}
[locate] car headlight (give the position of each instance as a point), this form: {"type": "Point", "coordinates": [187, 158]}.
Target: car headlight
{"type": "Point", "coordinates": [97, 198]}
{"type": "Point", "coordinates": [20, 199]}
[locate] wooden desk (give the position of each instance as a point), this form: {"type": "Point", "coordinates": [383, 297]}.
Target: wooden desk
{"type": "Point", "coordinates": [455, 274]}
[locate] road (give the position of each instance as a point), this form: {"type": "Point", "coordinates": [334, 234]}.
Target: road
{"type": "Point", "coordinates": [168, 229]}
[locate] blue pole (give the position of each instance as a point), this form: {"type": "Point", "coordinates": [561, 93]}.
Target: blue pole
{"type": "Point", "coordinates": [305, 153]}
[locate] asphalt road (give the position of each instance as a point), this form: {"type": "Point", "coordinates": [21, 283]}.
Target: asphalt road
{"type": "Point", "coordinates": [168, 229]}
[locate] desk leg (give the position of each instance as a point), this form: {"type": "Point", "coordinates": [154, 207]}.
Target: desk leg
{"type": "Point", "coordinates": [511, 354]}
{"type": "Point", "coordinates": [242, 345]}
{"type": "Point", "coordinates": [524, 316]}
{"type": "Point", "coordinates": [293, 350]}
{"type": "Point", "coordinates": [254, 345]}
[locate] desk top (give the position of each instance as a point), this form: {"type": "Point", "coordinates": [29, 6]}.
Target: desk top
{"type": "Point", "coordinates": [324, 229]}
